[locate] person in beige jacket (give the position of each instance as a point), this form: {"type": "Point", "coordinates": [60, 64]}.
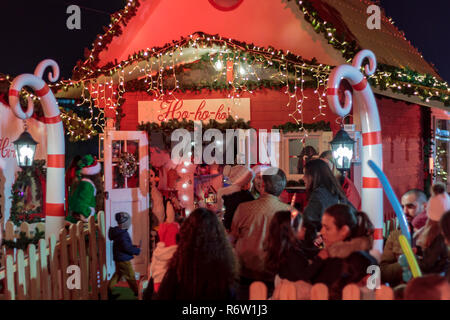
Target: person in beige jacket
{"type": "Point", "coordinates": [250, 226]}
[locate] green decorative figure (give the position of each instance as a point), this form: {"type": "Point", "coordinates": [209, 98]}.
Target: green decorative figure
{"type": "Point", "coordinates": [82, 200]}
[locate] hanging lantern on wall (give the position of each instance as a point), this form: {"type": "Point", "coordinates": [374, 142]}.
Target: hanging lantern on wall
{"type": "Point", "coordinates": [342, 146]}
{"type": "Point", "coordinates": [25, 148]}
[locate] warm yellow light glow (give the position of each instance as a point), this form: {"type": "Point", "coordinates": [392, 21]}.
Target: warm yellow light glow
{"type": "Point", "coordinates": [342, 152]}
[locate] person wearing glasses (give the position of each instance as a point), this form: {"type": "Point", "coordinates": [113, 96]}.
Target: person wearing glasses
{"type": "Point", "coordinates": [414, 204]}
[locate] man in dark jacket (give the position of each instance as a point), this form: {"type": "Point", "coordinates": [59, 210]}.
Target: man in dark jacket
{"type": "Point", "coordinates": [123, 251]}
{"type": "Point", "coordinates": [414, 204]}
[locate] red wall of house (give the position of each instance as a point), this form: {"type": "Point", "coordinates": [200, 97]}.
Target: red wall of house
{"type": "Point", "coordinates": [402, 147]}
{"type": "Point", "coordinates": [267, 107]}
{"type": "Point", "coordinates": [400, 123]}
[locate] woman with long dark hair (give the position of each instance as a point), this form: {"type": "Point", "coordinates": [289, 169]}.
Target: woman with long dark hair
{"type": "Point", "coordinates": [204, 266]}
{"type": "Point", "coordinates": [323, 190]}
{"type": "Point", "coordinates": [347, 238]}
{"type": "Point", "coordinates": [284, 256]}
{"type": "Point", "coordinates": [307, 154]}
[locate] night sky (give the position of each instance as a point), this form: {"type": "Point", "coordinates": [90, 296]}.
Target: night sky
{"type": "Point", "coordinates": [34, 30]}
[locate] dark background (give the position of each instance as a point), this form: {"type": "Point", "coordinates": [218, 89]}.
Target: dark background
{"type": "Point", "coordinates": [33, 30]}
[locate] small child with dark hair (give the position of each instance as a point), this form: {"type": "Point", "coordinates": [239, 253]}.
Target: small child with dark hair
{"type": "Point", "coordinates": [123, 252]}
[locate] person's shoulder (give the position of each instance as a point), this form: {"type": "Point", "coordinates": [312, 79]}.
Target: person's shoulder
{"type": "Point", "coordinates": [249, 204]}
{"type": "Point", "coordinates": [394, 234]}
{"type": "Point", "coordinates": [320, 191]}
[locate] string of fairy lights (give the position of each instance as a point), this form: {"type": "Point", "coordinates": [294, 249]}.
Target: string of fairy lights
{"type": "Point", "coordinates": [238, 67]}
{"type": "Point", "coordinates": [160, 63]}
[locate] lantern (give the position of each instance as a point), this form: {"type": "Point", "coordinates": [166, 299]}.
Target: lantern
{"type": "Point", "coordinates": [25, 149]}
{"type": "Point", "coordinates": [342, 146]}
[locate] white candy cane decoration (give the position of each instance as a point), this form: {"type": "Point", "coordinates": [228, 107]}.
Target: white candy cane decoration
{"type": "Point", "coordinates": [372, 192]}
{"type": "Point", "coordinates": [55, 214]}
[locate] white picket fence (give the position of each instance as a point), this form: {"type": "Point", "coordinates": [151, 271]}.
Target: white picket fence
{"type": "Point", "coordinates": [12, 232]}
{"type": "Point", "coordinates": [42, 272]}
{"type": "Point", "coordinates": [287, 290]}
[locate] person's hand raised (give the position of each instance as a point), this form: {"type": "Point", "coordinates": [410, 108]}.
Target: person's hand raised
{"type": "Point", "coordinates": [170, 213]}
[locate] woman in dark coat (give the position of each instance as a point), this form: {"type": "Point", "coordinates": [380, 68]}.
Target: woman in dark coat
{"type": "Point", "coordinates": [347, 238]}
{"type": "Point", "coordinates": [231, 202]}
{"type": "Point", "coordinates": [323, 191]}
{"type": "Point", "coordinates": [284, 255]}
{"type": "Point", "coordinates": [204, 266]}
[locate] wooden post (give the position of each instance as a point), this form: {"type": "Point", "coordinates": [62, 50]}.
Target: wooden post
{"type": "Point", "coordinates": [10, 285]}
{"type": "Point", "coordinates": [25, 228]}
{"type": "Point", "coordinates": [102, 255]}
{"type": "Point", "coordinates": [384, 293]}
{"type": "Point", "coordinates": [319, 291]}
{"type": "Point", "coordinates": [288, 291]}
{"type": "Point", "coordinates": [9, 230]}
{"type": "Point", "coordinates": [351, 292]}
{"type": "Point", "coordinates": [9, 235]}
{"type": "Point", "coordinates": [258, 291]}
{"type": "Point", "coordinates": [44, 270]}
{"type": "Point", "coordinates": [73, 241]}
{"type": "Point", "coordinates": [84, 294]}
{"type": "Point", "coordinates": [93, 265]}
{"type": "Point", "coordinates": [32, 261]}
{"type": "Point", "coordinates": [53, 258]}
{"type": "Point", "coordinates": [64, 263]}
{"type": "Point", "coordinates": [21, 285]}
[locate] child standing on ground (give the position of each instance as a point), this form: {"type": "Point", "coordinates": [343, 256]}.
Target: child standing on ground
{"type": "Point", "coordinates": [123, 251]}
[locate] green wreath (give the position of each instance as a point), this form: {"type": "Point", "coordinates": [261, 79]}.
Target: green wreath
{"type": "Point", "coordinates": [127, 165]}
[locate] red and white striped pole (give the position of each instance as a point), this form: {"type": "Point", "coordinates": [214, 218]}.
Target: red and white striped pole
{"type": "Point", "coordinates": [55, 213]}
{"type": "Point", "coordinates": [372, 192]}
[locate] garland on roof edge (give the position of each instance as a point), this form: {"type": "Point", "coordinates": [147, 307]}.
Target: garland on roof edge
{"type": "Point", "coordinates": [166, 128]}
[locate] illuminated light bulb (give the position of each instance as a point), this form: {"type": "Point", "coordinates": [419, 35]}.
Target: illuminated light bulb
{"type": "Point", "coordinates": [218, 65]}
{"type": "Point", "coordinates": [183, 170]}
{"type": "Point", "coordinates": [185, 198]}
{"type": "Point", "coordinates": [241, 70]}
{"type": "Point", "coordinates": [185, 185]}
{"type": "Point", "coordinates": [186, 163]}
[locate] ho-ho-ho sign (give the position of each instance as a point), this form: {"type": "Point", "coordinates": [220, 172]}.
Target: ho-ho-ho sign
{"type": "Point", "coordinates": [195, 110]}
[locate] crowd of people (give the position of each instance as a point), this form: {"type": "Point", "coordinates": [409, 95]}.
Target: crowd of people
{"type": "Point", "coordinates": [260, 238]}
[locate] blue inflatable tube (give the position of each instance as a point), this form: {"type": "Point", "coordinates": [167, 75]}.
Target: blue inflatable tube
{"type": "Point", "coordinates": [392, 199]}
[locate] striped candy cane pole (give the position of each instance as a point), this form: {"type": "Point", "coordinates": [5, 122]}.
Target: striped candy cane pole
{"type": "Point", "coordinates": [372, 192]}
{"type": "Point", "coordinates": [54, 215]}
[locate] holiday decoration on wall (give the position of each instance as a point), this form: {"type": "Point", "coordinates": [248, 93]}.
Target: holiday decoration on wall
{"type": "Point", "coordinates": [293, 127]}
{"type": "Point", "coordinates": [167, 127]}
{"type": "Point", "coordinates": [54, 210]}
{"type": "Point", "coordinates": [441, 159]}
{"type": "Point", "coordinates": [127, 164]}
{"type": "Point", "coordinates": [23, 241]}
{"type": "Point", "coordinates": [77, 128]}
{"type": "Point", "coordinates": [27, 194]}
